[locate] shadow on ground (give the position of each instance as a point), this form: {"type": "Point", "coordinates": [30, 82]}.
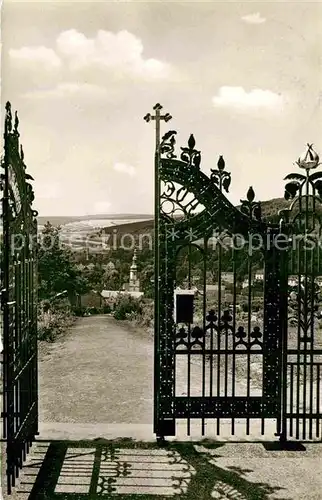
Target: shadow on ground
{"type": "Point", "coordinates": [126, 469]}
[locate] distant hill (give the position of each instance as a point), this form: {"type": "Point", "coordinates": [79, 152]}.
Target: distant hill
{"type": "Point", "coordinates": [270, 210]}
{"type": "Point", "coordinates": [77, 229]}
{"type": "Point", "coordinates": [131, 228]}
{"type": "Point", "coordinates": [61, 220]}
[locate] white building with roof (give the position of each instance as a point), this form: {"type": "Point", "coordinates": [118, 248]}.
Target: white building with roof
{"type": "Point", "coordinates": [131, 288]}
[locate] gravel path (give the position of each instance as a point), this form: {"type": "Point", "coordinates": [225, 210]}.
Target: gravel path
{"type": "Point", "coordinates": [101, 372]}
{"type": "Point", "coordinates": [98, 372]}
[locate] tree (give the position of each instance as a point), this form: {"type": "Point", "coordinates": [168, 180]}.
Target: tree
{"type": "Point", "coordinates": [146, 280]}
{"type": "Point", "coordinates": [110, 279]}
{"type": "Point", "coordinates": [56, 270]}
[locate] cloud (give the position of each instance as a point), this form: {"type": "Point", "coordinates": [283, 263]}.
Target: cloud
{"type": "Point", "coordinates": [121, 52]}
{"type": "Point", "coordinates": [237, 97]}
{"type": "Point", "coordinates": [113, 55]}
{"type": "Point", "coordinates": [125, 168]}
{"type": "Point", "coordinates": [41, 58]}
{"type": "Point", "coordinates": [255, 18]}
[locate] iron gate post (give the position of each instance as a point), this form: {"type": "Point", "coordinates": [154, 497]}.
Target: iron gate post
{"type": "Point", "coordinates": [284, 340]}
{"type": "Point", "coordinates": [157, 117]}
{"type": "Point", "coordinates": [19, 304]}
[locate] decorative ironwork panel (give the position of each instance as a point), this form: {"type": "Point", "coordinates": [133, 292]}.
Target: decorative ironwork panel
{"type": "Point", "coordinates": [302, 397]}
{"type": "Point", "coordinates": [18, 302]}
{"type": "Point", "coordinates": [251, 347]}
{"type": "Point", "coordinates": [216, 343]}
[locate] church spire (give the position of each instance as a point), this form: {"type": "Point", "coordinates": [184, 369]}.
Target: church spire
{"type": "Point", "coordinates": [133, 268]}
{"type": "Point", "coordinates": [134, 284]}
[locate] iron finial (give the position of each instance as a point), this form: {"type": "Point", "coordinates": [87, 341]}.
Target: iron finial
{"type": "Point", "coordinates": [190, 155]}
{"type": "Point", "coordinates": [16, 122]}
{"type": "Point", "coordinates": [250, 194]}
{"type": "Point", "coordinates": [220, 176]}
{"type": "Point", "coordinates": [8, 119]}
{"type": "Point", "coordinates": [309, 159]}
{"type": "Point", "coordinates": [157, 106]}
{"type": "Point", "coordinates": [221, 163]}
{"type": "Point", "coordinates": [157, 117]}
{"type": "Point", "coordinates": [250, 207]}
{"type": "Point", "coordinates": [191, 141]}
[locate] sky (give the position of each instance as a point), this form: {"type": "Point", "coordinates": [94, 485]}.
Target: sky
{"type": "Point", "coordinates": [244, 77]}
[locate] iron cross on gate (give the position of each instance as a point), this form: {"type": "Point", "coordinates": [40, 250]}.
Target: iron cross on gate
{"type": "Point", "coordinates": [157, 117]}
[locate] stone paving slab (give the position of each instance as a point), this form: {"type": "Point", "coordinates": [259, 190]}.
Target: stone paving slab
{"type": "Point", "coordinates": [144, 432]}
{"type": "Point", "coordinates": [293, 475]}
{"type": "Point", "coordinates": [235, 471]}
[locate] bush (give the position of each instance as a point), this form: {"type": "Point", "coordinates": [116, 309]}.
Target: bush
{"type": "Point", "coordinates": [107, 309]}
{"type": "Point", "coordinates": [89, 311]}
{"type": "Point", "coordinates": [79, 311]}
{"type": "Point", "coordinates": [147, 315]}
{"type": "Point", "coordinates": [245, 307]}
{"type": "Point", "coordinates": [52, 323]}
{"type": "Point", "coordinates": [126, 305]}
{"type": "Point", "coordinates": [257, 304]}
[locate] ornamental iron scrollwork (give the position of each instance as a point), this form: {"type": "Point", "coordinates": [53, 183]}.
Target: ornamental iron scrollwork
{"type": "Point", "coordinates": [301, 223]}
{"type": "Point", "coordinates": [304, 305]}
{"type": "Point", "coordinates": [167, 145]}
{"type": "Point", "coordinates": [220, 176]}
{"type": "Point", "coordinates": [254, 338]}
{"type": "Point", "coordinates": [223, 325]}
{"type": "Point", "coordinates": [305, 194]}
{"type": "Point", "coordinates": [190, 340]}
{"type": "Point", "coordinates": [190, 155]}
{"type": "Point", "coordinates": [197, 334]}
{"type": "Point", "coordinates": [191, 207]}
{"type": "Point", "coordinates": [18, 301]}
{"type": "Point", "coordinates": [204, 204]}
{"type": "Point", "coordinates": [250, 207]}
{"type": "Point", "coordinates": [178, 202]}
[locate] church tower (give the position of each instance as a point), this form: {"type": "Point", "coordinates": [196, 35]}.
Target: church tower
{"type": "Point", "coordinates": [134, 283]}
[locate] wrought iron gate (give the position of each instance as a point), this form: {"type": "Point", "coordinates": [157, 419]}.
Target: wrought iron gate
{"type": "Point", "coordinates": [302, 358]}
{"type": "Point", "coordinates": [212, 360]}
{"type": "Point", "coordinates": [18, 303]}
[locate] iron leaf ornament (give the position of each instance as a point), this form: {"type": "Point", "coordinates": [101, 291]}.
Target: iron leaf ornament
{"type": "Point", "coordinates": [167, 145]}
{"type": "Point", "coordinates": [250, 207]}
{"type": "Point", "coordinates": [220, 177]}
{"type": "Point", "coordinates": [291, 189]}
{"type": "Point", "coordinates": [190, 155]}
